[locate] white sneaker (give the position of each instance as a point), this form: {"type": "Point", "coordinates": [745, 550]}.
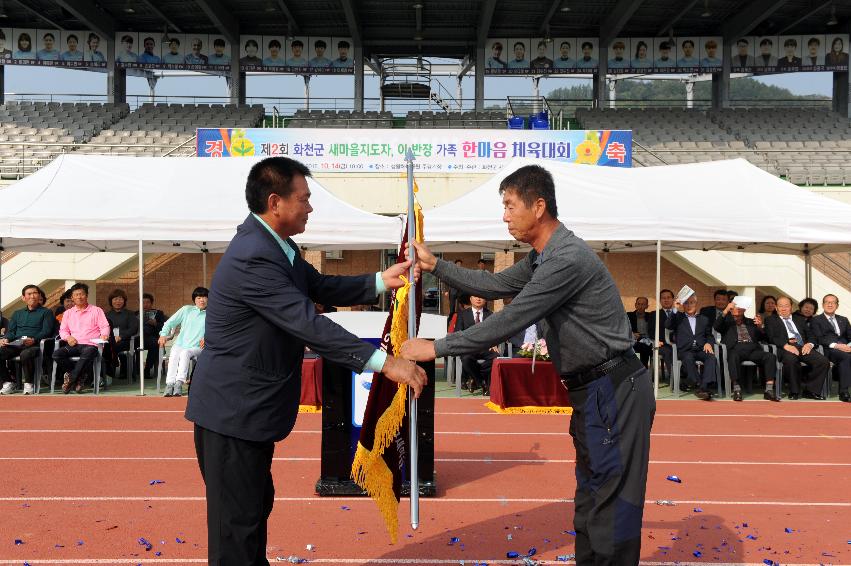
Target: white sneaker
{"type": "Point", "coordinates": [169, 390]}
{"type": "Point", "coordinates": [28, 389]}
{"type": "Point", "coordinates": [8, 388]}
{"type": "Point", "coordinates": [178, 388]}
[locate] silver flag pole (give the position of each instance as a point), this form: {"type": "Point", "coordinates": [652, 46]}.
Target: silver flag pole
{"type": "Point", "coordinates": [412, 333]}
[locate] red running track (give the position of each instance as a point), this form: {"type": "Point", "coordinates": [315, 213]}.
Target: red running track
{"type": "Point", "coordinates": [76, 487]}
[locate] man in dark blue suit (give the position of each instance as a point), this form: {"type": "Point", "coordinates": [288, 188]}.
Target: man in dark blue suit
{"type": "Point", "coordinates": [833, 332]}
{"type": "Point", "coordinates": [246, 387]}
{"type": "Point", "coordinates": [693, 337]}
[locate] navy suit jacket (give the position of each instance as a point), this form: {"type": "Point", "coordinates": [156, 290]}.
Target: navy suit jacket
{"type": "Point", "coordinates": [826, 334]}
{"type": "Point", "coordinates": [775, 330]}
{"type": "Point", "coordinates": [683, 336]}
{"type": "Point", "coordinates": [260, 316]}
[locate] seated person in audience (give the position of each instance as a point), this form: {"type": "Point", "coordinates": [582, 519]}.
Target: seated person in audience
{"type": "Point", "coordinates": [666, 309]}
{"type": "Point", "coordinates": [154, 320]}
{"type": "Point", "coordinates": [190, 341]}
{"type": "Point", "coordinates": [81, 326]}
{"type": "Point", "coordinates": [807, 308]}
{"type": "Point", "coordinates": [795, 344]}
{"type": "Point", "coordinates": [741, 336]}
{"type": "Point", "coordinates": [768, 306]}
{"type": "Point", "coordinates": [124, 325]}
{"type": "Point", "coordinates": [714, 312]}
{"type": "Point", "coordinates": [639, 321]}
{"type": "Point", "coordinates": [478, 375]}
{"type": "Point", "coordinates": [65, 303]}
{"type": "Point", "coordinates": [23, 336]}
{"type": "Point", "coordinates": [833, 333]}
{"type": "Point", "coordinates": [693, 337]}
{"type": "Point", "coordinates": [4, 324]}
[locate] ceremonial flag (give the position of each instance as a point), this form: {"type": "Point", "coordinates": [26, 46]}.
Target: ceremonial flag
{"type": "Point", "coordinates": [381, 452]}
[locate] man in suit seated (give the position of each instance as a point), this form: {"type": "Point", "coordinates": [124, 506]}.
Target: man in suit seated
{"type": "Point", "coordinates": [795, 343]}
{"type": "Point", "coordinates": [666, 309]}
{"type": "Point", "coordinates": [639, 321]}
{"type": "Point", "coordinates": [741, 336]}
{"type": "Point", "coordinates": [833, 332]}
{"type": "Point", "coordinates": [477, 374]}
{"type": "Point", "coordinates": [693, 337]}
{"type": "Point", "coordinates": [714, 312]}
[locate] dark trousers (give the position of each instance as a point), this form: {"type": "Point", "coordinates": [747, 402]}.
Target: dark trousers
{"type": "Point", "coordinates": [610, 427]}
{"type": "Point", "coordinates": [63, 355]}
{"type": "Point", "coordinates": [111, 355]}
{"type": "Point", "coordinates": [28, 356]}
{"type": "Point", "coordinates": [153, 350]}
{"type": "Point", "coordinates": [666, 352]}
{"type": "Point", "coordinates": [238, 478]}
{"type": "Point", "coordinates": [690, 359]}
{"type": "Point", "coordinates": [842, 361]}
{"type": "Point", "coordinates": [750, 352]}
{"type": "Point", "coordinates": [479, 373]}
{"type": "Point", "coordinates": [818, 364]}
{"type": "Point", "coordinates": [644, 352]}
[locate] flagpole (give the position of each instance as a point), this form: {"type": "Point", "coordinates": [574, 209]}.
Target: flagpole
{"type": "Point", "coordinates": [412, 333]}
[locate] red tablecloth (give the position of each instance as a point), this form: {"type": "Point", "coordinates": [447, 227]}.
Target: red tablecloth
{"type": "Point", "coordinates": [515, 389]}
{"type": "Point", "coordinates": [311, 383]}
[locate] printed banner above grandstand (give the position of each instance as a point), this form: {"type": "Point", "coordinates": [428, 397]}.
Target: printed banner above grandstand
{"type": "Point", "coordinates": [199, 52]}
{"type": "Point", "coordinates": [445, 151]}
{"type": "Point", "coordinates": [758, 54]}
{"type": "Point", "coordinates": [51, 48]}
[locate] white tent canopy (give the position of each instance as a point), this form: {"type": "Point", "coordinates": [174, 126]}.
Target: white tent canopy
{"type": "Point", "coordinates": [86, 203]}
{"type": "Point", "coordinates": [718, 205]}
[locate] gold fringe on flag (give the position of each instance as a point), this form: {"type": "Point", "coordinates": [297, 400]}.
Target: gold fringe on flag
{"type": "Point", "coordinates": [531, 410]}
{"type": "Point", "coordinates": [369, 470]}
{"type": "Point", "coordinates": [309, 409]}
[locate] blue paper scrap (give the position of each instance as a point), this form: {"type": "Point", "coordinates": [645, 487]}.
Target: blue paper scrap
{"type": "Point", "coordinates": [532, 551]}
{"type": "Point", "coordinates": [18, 542]}
{"type": "Point", "coordinates": [751, 537]}
{"type": "Point", "coordinates": [345, 508]}
{"type": "Point", "coordinates": [788, 530]}
{"type": "Point", "coordinates": [155, 482]}
{"type": "Point", "coordinates": [697, 553]}
{"type": "Point", "coordinates": [158, 553]}
{"type": "Point", "coordinates": [512, 554]}
{"type": "Point", "coordinates": [453, 540]}
{"type": "Point", "coordinates": [144, 542]}
{"type": "Point", "coordinates": [674, 479]}
{"type": "Point", "coordinates": [179, 540]}
{"type": "Point", "coordinates": [565, 557]}
{"type": "Point", "coordinates": [571, 533]}
{"type": "Point", "coordinates": [698, 510]}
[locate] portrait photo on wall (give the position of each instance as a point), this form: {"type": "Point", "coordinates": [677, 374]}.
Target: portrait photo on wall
{"type": "Point", "coordinates": [297, 52]}
{"type": "Point", "coordinates": [587, 56]}
{"type": "Point", "coordinates": [24, 47]}
{"type": "Point", "coordinates": [665, 53]}
{"type": "Point", "coordinates": [173, 49]}
{"type": "Point", "coordinates": [320, 49]}
{"type": "Point", "coordinates": [196, 50]}
{"type": "Point", "coordinates": [219, 54]}
{"type": "Point", "coordinates": [689, 59]}
{"type": "Point", "coordinates": [790, 53]}
{"type": "Point", "coordinates": [619, 55]}
{"type": "Point", "coordinates": [812, 51]}
{"type": "Point", "coordinates": [343, 55]}
{"type": "Point", "coordinates": [48, 44]}
{"type": "Point", "coordinates": [495, 56]}
{"type": "Point", "coordinates": [274, 51]}
{"type": "Point", "coordinates": [765, 56]}
{"type": "Point", "coordinates": [711, 49]}
{"type": "Point", "coordinates": [150, 50]}
{"type": "Point", "coordinates": [250, 50]}
{"type": "Point", "coordinates": [126, 45]}
{"type": "Point", "coordinates": [518, 54]}
{"type": "Point", "coordinates": [641, 53]}
{"type": "Point", "coordinates": [836, 52]}
{"type": "Point", "coordinates": [564, 56]}
{"type": "Point", "coordinates": [542, 55]}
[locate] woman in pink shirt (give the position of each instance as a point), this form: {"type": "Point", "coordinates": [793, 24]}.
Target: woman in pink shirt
{"type": "Point", "coordinates": [83, 327]}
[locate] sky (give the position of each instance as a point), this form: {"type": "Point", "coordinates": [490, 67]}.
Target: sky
{"type": "Point", "coordinates": [290, 89]}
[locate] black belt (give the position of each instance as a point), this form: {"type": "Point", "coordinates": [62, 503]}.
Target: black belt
{"type": "Point", "coordinates": [618, 368]}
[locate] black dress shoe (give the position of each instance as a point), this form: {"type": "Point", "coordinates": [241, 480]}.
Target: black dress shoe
{"type": "Point", "coordinates": [703, 395]}
{"type": "Point", "coordinates": [737, 395]}
{"type": "Point", "coordinates": [685, 387]}
{"type": "Point", "coordinates": [769, 395]}
{"type": "Point", "coordinates": [794, 396]}
{"type": "Point", "coordinates": [845, 397]}
{"type": "Point", "coordinates": [811, 395]}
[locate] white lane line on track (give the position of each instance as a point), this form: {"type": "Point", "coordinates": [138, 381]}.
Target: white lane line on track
{"type": "Point", "coordinates": [444, 460]}
{"type": "Point", "coordinates": [360, 561]}
{"type": "Point", "coordinates": [438, 433]}
{"type": "Point", "coordinates": [500, 500]}
{"type": "Point", "coordinates": [466, 414]}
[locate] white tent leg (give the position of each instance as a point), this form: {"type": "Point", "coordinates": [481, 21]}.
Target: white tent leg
{"type": "Point", "coordinates": [656, 346]}
{"type": "Point", "coordinates": [142, 352]}
{"type": "Point", "coordinates": [204, 267]}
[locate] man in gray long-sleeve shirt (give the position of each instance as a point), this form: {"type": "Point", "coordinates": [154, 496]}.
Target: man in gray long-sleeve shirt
{"type": "Point", "coordinates": [590, 342]}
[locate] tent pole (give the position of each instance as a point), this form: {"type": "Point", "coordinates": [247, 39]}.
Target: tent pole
{"type": "Point", "coordinates": [142, 351]}
{"type": "Point", "coordinates": [656, 319]}
{"type": "Point", "coordinates": [204, 267]}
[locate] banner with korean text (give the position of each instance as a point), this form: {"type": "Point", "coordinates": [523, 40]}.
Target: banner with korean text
{"type": "Point", "coordinates": [439, 150]}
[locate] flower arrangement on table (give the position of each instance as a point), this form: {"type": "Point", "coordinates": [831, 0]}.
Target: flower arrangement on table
{"type": "Point", "coordinates": [538, 349]}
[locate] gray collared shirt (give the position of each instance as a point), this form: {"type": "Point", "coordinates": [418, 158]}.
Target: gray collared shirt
{"type": "Point", "coordinates": [566, 285]}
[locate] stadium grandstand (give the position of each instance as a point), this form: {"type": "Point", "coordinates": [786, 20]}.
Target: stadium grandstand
{"type": "Point", "coordinates": [468, 87]}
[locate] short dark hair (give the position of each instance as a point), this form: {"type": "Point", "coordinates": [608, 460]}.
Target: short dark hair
{"type": "Point", "coordinates": [766, 41]}
{"type": "Point", "coordinates": [149, 37]}
{"type": "Point", "coordinates": [563, 43]}
{"type": "Point", "coordinates": [174, 40]}
{"type": "Point", "coordinates": [765, 298]}
{"type": "Point", "coordinates": [823, 299]}
{"type": "Point", "coordinates": [812, 40]}
{"type": "Point", "coordinates": [342, 43]}
{"type": "Point", "coordinates": [252, 42]}
{"type": "Point", "coordinates": [663, 291]}
{"type": "Point", "coordinates": [126, 39]}
{"type": "Point", "coordinates": [481, 260]}
{"type": "Point", "coordinates": [811, 301]}
{"type": "Point", "coordinates": [65, 296]}
{"type": "Point", "coordinates": [665, 45]}
{"type": "Point", "coordinates": [464, 299]}
{"type": "Point", "coordinates": [45, 36]}
{"type": "Point", "coordinates": [42, 294]}
{"type": "Point", "coordinates": [298, 42]}
{"type": "Point", "coordinates": [743, 40]}
{"type": "Point", "coordinates": [531, 183]}
{"type": "Point", "coordinates": [731, 294]}
{"type": "Point", "coordinates": [67, 39]}
{"type": "Point", "coordinates": [79, 287]}
{"type": "Point", "coordinates": [148, 296]}
{"type": "Point", "coordinates": [320, 43]}
{"type": "Point", "coordinates": [520, 43]}
{"type": "Point", "coordinates": [116, 293]}
{"type": "Point", "coordinates": [219, 42]}
{"type": "Point", "coordinates": [200, 292]}
{"type": "Point", "coordinates": [93, 36]}
{"type": "Point", "coordinates": [27, 288]}
{"type": "Point", "coordinates": [272, 175]}
{"type": "Point", "coordinates": [719, 292]}
{"type": "Point", "coordinates": [688, 41]}
{"type": "Point", "coordinates": [459, 261]}
{"type": "Point", "coordinates": [587, 44]}
{"type": "Point", "coordinates": [274, 43]}
{"type": "Point", "coordinates": [790, 42]}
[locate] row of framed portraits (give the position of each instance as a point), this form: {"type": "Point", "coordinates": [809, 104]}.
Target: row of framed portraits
{"type": "Point", "coordinates": [135, 50]}
{"type": "Point", "coordinates": [512, 56]}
